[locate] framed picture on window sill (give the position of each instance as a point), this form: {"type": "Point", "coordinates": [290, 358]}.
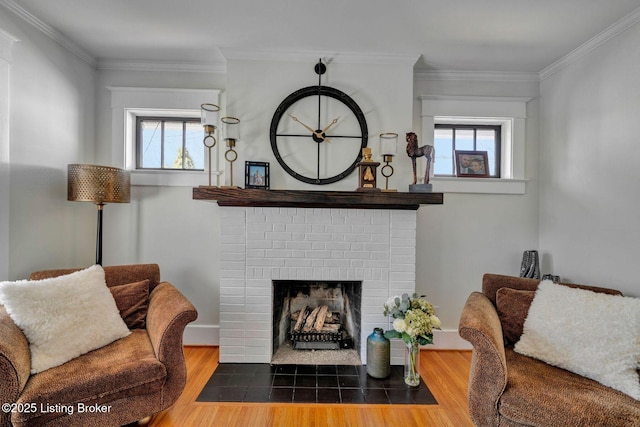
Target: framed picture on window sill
{"type": "Point", "coordinates": [472, 164]}
{"type": "Point", "coordinates": [256, 175]}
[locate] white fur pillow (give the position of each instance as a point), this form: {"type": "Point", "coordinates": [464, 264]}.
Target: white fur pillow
{"type": "Point", "coordinates": [63, 317]}
{"type": "Point", "coordinates": [591, 334]}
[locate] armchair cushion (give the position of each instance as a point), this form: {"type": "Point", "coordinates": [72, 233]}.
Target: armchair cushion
{"type": "Point", "coordinates": [594, 335]}
{"type": "Point", "coordinates": [63, 317]}
{"type": "Point", "coordinates": [115, 372]}
{"type": "Point", "coordinates": [543, 395]}
{"type": "Point", "coordinates": [512, 306]}
{"type": "Point", "coordinates": [132, 300]}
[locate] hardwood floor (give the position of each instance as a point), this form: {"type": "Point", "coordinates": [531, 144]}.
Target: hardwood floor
{"type": "Point", "coordinates": [445, 372]}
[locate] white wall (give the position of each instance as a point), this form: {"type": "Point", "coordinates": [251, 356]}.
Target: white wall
{"type": "Point", "coordinates": [51, 124]}
{"type": "Point", "coordinates": [6, 48]}
{"type": "Point", "coordinates": [163, 224]}
{"type": "Point", "coordinates": [473, 234]}
{"type": "Point", "coordinates": [589, 174]}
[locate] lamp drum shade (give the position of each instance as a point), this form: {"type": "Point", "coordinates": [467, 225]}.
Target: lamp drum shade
{"type": "Point", "coordinates": [98, 184]}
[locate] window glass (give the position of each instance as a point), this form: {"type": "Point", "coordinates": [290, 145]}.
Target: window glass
{"type": "Point", "coordinates": [451, 137]}
{"type": "Point", "coordinates": [443, 146]}
{"type": "Point", "coordinates": [173, 157]}
{"type": "Point", "coordinates": [169, 143]}
{"type": "Point", "coordinates": [150, 144]}
{"type": "Point", "coordinates": [464, 139]}
{"type": "Point", "coordinates": [194, 156]}
{"type": "Point", "coordinates": [486, 141]}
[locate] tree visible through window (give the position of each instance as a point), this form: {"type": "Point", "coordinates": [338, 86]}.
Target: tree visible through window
{"type": "Point", "coordinates": [451, 137]}
{"type": "Point", "coordinates": [173, 143]}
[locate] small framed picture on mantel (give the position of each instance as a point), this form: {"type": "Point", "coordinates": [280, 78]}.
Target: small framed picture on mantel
{"type": "Point", "coordinates": [256, 175]}
{"type": "Point", "coordinates": [472, 164]}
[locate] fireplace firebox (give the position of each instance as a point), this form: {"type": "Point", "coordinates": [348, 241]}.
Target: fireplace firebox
{"type": "Point", "coordinates": [316, 315]}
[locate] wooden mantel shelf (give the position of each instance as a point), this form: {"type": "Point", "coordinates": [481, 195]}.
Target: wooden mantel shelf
{"type": "Point", "coordinates": [316, 199]}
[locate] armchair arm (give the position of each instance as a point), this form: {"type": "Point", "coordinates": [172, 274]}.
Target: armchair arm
{"type": "Point", "coordinates": [480, 325]}
{"type": "Point", "coordinates": [168, 315]}
{"type": "Point", "coordinates": [15, 363]}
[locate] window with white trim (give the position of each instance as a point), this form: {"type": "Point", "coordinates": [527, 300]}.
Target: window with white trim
{"type": "Point", "coordinates": [507, 112]}
{"type": "Point", "coordinates": [449, 138]}
{"type": "Point", "coordinates": [129, 103]}
{"type": "Point", "coordinates": [169, 143]}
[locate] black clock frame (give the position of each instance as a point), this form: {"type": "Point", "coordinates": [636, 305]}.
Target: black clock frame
{"type": "Point", "coordinates": [318, 91]}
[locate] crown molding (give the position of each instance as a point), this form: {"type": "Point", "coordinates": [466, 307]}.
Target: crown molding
{"type": "Point", "coordinates": [327, 56]}
{"type": "Point", "coordinates": [614, 30]}
{"type": "Point", "coordinates": [184, 66]}
{"type": "Point", "coordinates": [475, 98]}
{"type": "Point", "coordinates": [163, 90]}
{"type": "Point", "coordinates": [49, 31]}
{"type": "Point", "coordinates": [486, 76]}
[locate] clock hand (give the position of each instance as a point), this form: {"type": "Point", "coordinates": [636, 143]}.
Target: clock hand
{"type": "Point", "coordinates": [295, 119]}
{"type": "Point", "coordinates": [321, 133]}
{"type": "Point", "coordinates": [333, 122]}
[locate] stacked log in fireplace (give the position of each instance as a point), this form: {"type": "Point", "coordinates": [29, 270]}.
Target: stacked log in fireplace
{"type": "Point", "coordinates": [318, 329]}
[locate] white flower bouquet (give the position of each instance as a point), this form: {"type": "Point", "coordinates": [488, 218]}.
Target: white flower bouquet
{"type": "Point", "coordinates": [414, 323]}
{"type": "Point", "coordinates": [415, 319]}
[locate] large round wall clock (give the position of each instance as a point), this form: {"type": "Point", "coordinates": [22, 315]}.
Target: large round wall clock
{"type": "Point", "coordinates": [318, 132]}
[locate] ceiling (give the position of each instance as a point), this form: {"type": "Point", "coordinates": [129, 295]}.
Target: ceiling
{"type": "Point", "coordinates": [460, 35]}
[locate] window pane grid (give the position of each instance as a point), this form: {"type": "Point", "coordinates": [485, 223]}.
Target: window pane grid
{"type": "Point", "coordinates": [169, 143]}
{"type": "Point", "coordinates": [451, 137]}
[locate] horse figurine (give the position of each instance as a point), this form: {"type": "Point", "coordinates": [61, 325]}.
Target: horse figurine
{"type": "Point", "coordinates": [414, 151]}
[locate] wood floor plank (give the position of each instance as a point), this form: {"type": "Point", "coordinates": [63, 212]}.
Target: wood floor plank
{"type": "Point", "coordinates": [445, 372]}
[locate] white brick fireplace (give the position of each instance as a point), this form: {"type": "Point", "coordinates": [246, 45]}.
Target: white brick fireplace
{"type": "Point", "coordinates": [260, 245]}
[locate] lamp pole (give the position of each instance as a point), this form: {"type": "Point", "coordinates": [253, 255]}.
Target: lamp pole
{"type": "Point", "coordinates": [99, 235]}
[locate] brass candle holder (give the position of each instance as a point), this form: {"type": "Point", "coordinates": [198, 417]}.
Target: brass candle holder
{"type": "Point", "coordinates": [388, 148]}
{"type": "Point", "coordinates": [231, 134]}
{"type": "Point", "coordinates": [209, 114]}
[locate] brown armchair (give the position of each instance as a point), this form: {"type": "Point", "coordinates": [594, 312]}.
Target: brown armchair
{"type": "Point", "coordinates": [123, 382]}
{"type": "Point", "coordinates": [509, 389]}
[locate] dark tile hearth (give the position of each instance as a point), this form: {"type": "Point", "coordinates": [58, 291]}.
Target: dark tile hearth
{"type": "Point", "coordinates": [261, 382]}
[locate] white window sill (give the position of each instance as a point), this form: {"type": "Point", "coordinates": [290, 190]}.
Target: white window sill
{"type": "Point", "coordinates": [478, 185]}
{"type": "Point", "coordinates": [173, 178]}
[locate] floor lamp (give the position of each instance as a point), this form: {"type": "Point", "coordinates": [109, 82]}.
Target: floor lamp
{"type": "Point", "coordinates": [99, 185]}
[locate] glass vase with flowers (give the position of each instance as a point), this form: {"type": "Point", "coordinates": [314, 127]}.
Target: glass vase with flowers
{"type": "Point", "coordinates": [414, 322]}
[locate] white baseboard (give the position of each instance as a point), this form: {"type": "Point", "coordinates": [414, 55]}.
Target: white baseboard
{"type": "Point", "coordinates": [201, 335]}
{"type": "Point", "coordinates": [210, 335]}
